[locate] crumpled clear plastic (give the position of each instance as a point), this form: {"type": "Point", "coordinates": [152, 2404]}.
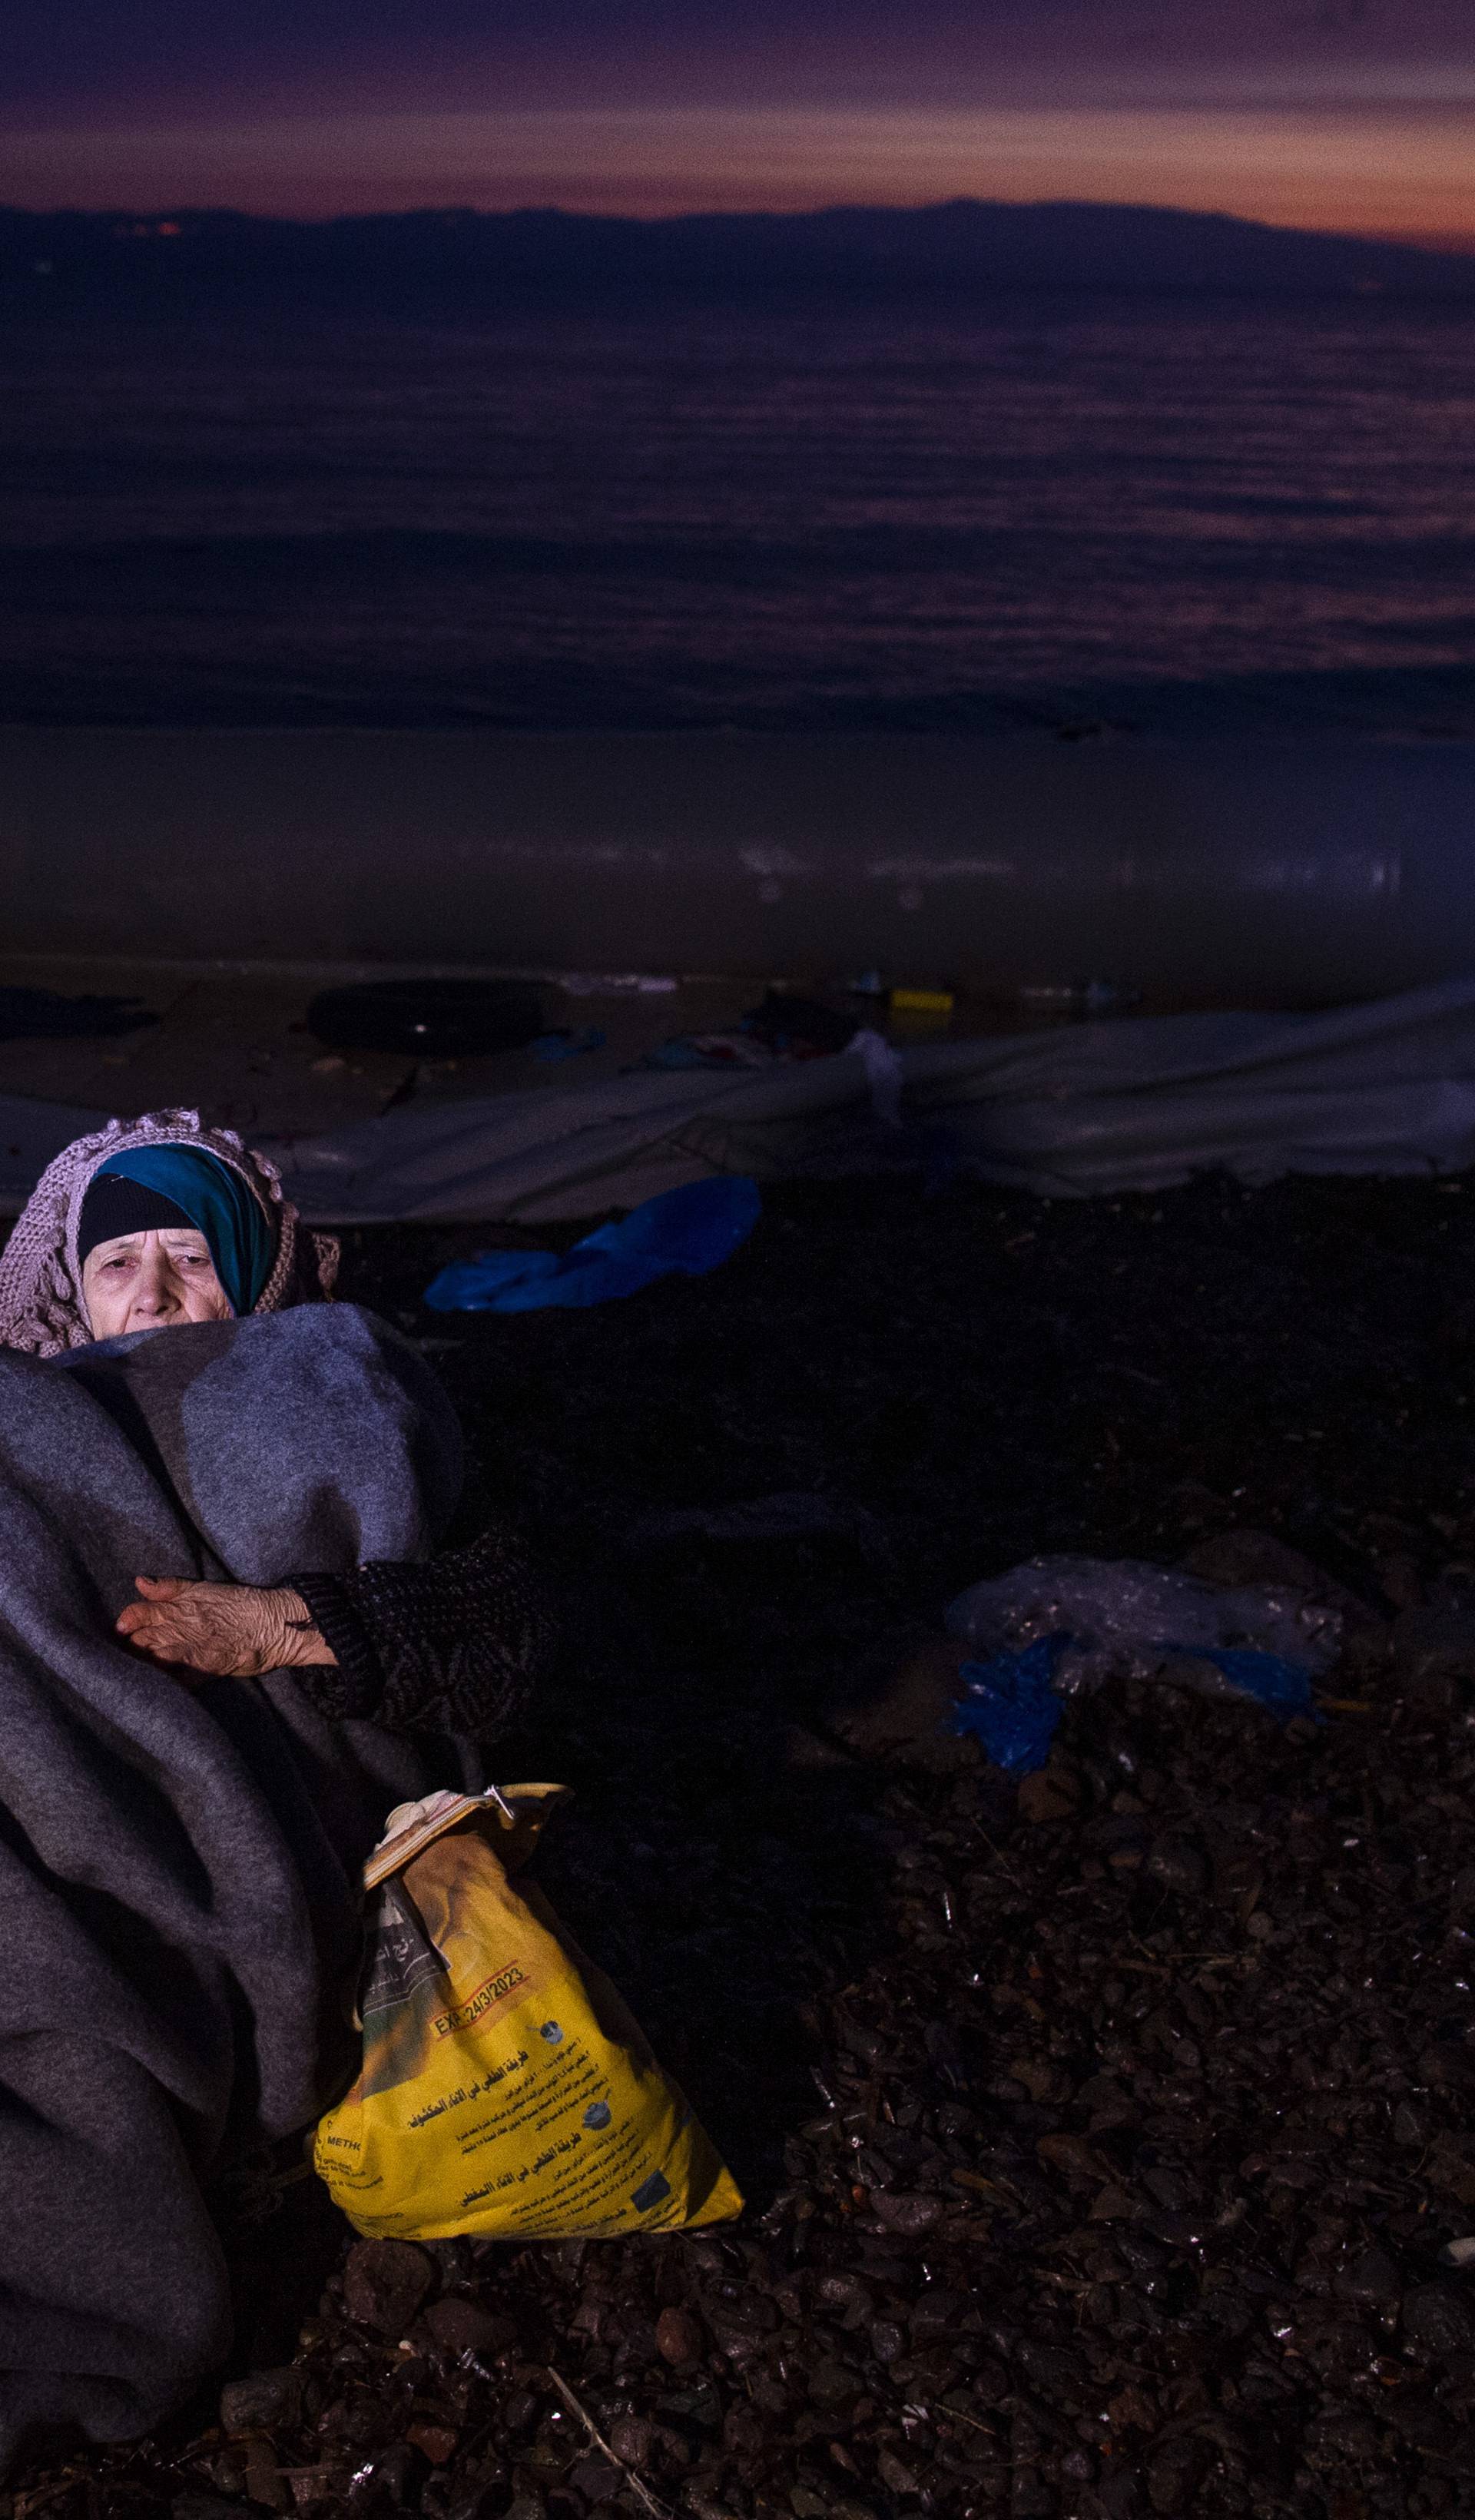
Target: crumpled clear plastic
{"type": "Point", "coordinates": [1128, 1619]}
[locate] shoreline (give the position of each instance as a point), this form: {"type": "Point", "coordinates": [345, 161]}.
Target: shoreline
{"type": "Point", "coordinates": [1293, 873]}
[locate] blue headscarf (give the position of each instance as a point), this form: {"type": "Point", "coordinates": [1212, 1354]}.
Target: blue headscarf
{"type": "Point", "coordinates": [218, 1204]}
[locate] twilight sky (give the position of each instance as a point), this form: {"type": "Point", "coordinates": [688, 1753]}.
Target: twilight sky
{"type": "Point", "coordinates": [1333, 113]}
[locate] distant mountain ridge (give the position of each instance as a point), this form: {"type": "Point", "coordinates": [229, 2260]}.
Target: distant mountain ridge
{"type": "Point", "coordinates": [441, 262]}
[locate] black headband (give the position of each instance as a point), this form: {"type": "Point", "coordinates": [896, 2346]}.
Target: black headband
{"type": "Point", "coordinates": [114, 1205]}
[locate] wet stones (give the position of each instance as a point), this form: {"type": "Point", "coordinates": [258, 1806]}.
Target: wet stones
{"type": "Point", "coordinates": [679, 2337]}
{"type": "Point", "coordinates": [1438, 2321]}
{"type": "Point", "coordinates": [1052, 1794]}
{"type": "Point", "coordinates": [459, 2326]}
{"type": "Point", "coordinates": [1175, 2473]}
{"type": "Point", "coordinates": [1434, 1656]}
{"type": "Point", "coordinates": [909, 2216]}
{"type": "Point", "coordinates": [385, 2283]}
{"type": "Point", "coordinates": [597, 2479]}
{"type": "Point", "coordinates": [1118, 1839]}
{"type": "Point", "coordinates": [1179, 1865]}
{"type": "Point", "coordinates": [1370, 2277]}
{"type": "Point", "coordinates": [261, 2400]}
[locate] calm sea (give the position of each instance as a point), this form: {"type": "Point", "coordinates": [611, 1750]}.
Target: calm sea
{"type": "Point", "coordinates": [1053, 511]}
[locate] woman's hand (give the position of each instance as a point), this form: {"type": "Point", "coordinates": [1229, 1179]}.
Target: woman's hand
{"type": "Point", "coordinates": [234, 1631]}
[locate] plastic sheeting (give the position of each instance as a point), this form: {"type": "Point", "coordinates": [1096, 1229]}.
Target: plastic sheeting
{"type": "Point", "coordinates": [1124, 1615]}
{"type": "Point", "coordinates": [1128, 1104]}
{"type": "Point", "coordinates": [1136, 1104]}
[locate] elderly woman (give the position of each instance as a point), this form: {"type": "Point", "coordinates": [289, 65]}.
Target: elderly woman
{"type": "Point", "coordinates": [258, 1505]}
{"type": "Point", "coordinates": [160, 1223]}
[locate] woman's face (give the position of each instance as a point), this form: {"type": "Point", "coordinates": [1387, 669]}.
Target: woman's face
{"type": "Point", "coordinates": [152, 1281]}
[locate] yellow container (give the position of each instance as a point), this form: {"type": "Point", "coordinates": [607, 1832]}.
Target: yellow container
{"type": "Point", "coordinates": [921, 1002]}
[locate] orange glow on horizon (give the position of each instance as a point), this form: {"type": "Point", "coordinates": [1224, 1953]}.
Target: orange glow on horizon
{"type": "Point", "coordinates": [1403, 170]}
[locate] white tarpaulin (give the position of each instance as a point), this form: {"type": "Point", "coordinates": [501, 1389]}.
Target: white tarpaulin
{"type": "Point", "coordinates": [1387, 1087]}
{"type": "Point", "coordinates": [1129, 1104]}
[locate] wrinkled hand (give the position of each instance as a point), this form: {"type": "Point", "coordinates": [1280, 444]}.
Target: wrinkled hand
{"type": "Point", "coordinates": [232, 1630]}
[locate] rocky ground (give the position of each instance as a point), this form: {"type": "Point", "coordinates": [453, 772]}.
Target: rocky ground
{"type": "Point", "coordinates": [1108, 2142]}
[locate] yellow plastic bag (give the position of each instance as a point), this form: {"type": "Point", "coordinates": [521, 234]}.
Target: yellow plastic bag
{"type": "Point", "coordinates": [505, 2089]}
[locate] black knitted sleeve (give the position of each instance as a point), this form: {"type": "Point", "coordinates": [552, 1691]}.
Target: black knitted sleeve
{"type": "Point", "coordinates": [451, 1647]}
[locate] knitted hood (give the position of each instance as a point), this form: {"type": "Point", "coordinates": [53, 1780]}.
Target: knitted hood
{"type": "Point", "coordinates": [41, 1308]}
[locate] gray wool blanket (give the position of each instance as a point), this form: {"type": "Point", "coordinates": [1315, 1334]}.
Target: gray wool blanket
{"type": "Point", "coordinates": [178, 1866]}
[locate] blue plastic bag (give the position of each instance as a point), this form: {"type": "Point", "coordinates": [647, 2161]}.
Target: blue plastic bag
{"type": "Point", "coordinates": [683, 1232]}
{"type": "Point", "coordinates": [1011, 1704]}
{"type": "Point", "coordinates": [1284, 1687]}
